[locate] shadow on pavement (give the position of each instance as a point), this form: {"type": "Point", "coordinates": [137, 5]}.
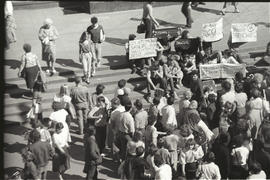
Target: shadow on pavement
{"type": "Point", "coordinates": [77, 152]}
{"type": "Point", "coordinates": [68, 62]}
{"type": "Point", "coordinates": [256, 54]}
{"type": "Point", "coordinates": [11, 170]}
{"type": "Point", "coordinates": [74, 8]}
{"type": "Point", "coordinates": [212, 11]}
{"type": "Point", "coordinates": [161, 22]}
{"type": "Point", "coordinates": [13, 148]}
{"type": "Point", "coordinates": [12, 63]}
{"type": "Point", "coordinates": [18, 93]}
{"type": "Point", "coordinates": [116, 61]}
{"type": "Point", "coordinates": [15, 129]}
{"type": "Point", "coordinates": [53, 175]}
{"type": "Point", "coordinates": [111, 168]}
{"type": "Point", "coordinates": [116, 41]}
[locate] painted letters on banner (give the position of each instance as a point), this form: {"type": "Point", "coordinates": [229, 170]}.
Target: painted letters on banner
{"type": "Point", "coordinates": [244, 32]}
{"type": "Point", "coordinates": [212, 32]}
{"type": "Point", "coordinates": [142, 48]}
{"type": "Point", "coordinates": [216, 71]}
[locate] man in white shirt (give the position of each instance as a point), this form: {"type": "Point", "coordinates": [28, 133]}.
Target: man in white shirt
{"type": "Point", "coordinates": [163, 171]}
{"type": "Point", "coordinates": [168, 115]}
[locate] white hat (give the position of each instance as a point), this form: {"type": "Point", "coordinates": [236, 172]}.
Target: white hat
{"type": "Point", "coordinates": [48, 21]}
{"type": "Point", "coordinates": [120, 92]}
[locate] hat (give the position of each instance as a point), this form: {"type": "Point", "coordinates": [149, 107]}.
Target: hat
{"type": "Point", "coordinates": [131, 37]}
{"type": "Point", "coordinates": [48, 21]}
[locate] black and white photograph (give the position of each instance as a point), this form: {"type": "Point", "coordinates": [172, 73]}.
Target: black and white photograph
{"type": "Point", "coordinates": [136, 90]}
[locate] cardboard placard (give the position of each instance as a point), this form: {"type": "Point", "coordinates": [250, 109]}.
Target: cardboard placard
{"type": "Point", "coordinates": [216, 71]}
{"type": "Point", "coordinates": [212, 32]}
{"type": "Point", "coordinates": [142, 48]}
{"type": "Point", "coordinates": [244, 32]}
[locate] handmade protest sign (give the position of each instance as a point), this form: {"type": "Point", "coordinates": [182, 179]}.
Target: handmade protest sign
{"type": "Point", "coordinates": [142, 48]}
{"type": "Point", "coordinates": [216, 71]}
{"type": "Point", "coordinates": [244, 32]}
{"type": "Point", "coordinates": [189, 46]}
{"type": "Point", "coordinates": [212, 32]}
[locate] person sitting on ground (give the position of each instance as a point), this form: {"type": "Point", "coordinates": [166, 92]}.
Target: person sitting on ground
{"type": "Point", "coordinates": [175, 70]}
{"type": "Point", "coordinates": [207, 55]}
{"type": "Point", "coordinates": [208, 169]}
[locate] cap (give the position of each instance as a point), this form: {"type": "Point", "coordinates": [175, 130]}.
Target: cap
{"type": "Point", "coordinates": [48, 21]}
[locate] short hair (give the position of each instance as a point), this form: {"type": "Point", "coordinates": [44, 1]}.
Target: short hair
{"type": "Point", "coordinates": [190, 142]}
{"type": "Point", "coordinates": [131, 37]}
{"type": "Point", "coordinates": [239, 76]}
{"type": "Point", "coordinates": [156, 100]}
{"type": "Point", "coordinates": [152, 149]}
{"type": "Point", "coordinates": [158, 160]}
{"type": "Point", "coordinates": [170, 100]}
{"type": "Point", "coordinates": [238, 87]}
{"type": "Point", "coordinates": [160, 143]}
{"type": "Point", "coordinates": [226, 86]}
{"type": "Point", "coordinates": [122, 83]}
{"type": "Point", "coordinates": [212, 98]}
{"type": "Point", "coordinates": [209, 157]}
{"type": "Point", "coordinates": [184, 34]}
{"type": "Point", "coordinates": [34, 136]}
{"type": "Point", "coordinates": [91, 130]}
{"type": "Point", "coordinates": [128, 105]}
{"type": "Point", "coordinates": [138, 104]}
{"type": "Point", "coordinates": [140, 151]}
{"type": "Point", "coordinates": [64, 89]}
{"type": "Point", "coordinates": [27, 47]}
{"type": "Point", "coordinates": [78, 79]}
{"type": "Point", "coordinates": [255, 167]}
{"type": "Point", "coordinates": [115, 101]}
{"type": "Point", "coordinates": [101, 99]}
{"type": "Point", "coordinates": [138, 135]}
{"type": "Point", "coordinates": [99, 89]}
{"type": "Point", "coordinates": [94, 20]}
{"type": "Point", "coordinates": [35, 123]}
{"type": "Point", "coordinates": [255, 93]}
{"type": "Point", "coordinates": [59, 126]}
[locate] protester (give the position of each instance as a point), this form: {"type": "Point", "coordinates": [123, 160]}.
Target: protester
{"type": "Point", "coordinates": [48, 35]}
{"type": "Point", "coordinates": [208, 169]}
{"type": "Point", "coordinates": [150, 134]}
{"type": "Point", "coordinates": [186, 10]}
{"type": "Point", "coordinates": [92, 154]}
{"type": "Point", "coordinates": [30, 66]}
{"type": "Point", "coordinates": [169, 115]}
{"type": "Point", "coordinates": [98, 37]}
{"type": "Point", "coordinates": [80, 98]}
{"type": "Point", "coordinates": [148, 19]}
{"type": "Point", "coordinates": [183, 105]}
{"type": "Point", "coordinates": [85, 56]}
{"type": "Point", "coordinates": [61, 159]}
{"type": "Point", "coordinates": [99, 117]}
{"type": "Point", "coordinates": [140, 117]}
{"type": "Point", "coordinates": [37, 99]}
{"type": "Point", "coordinates": [99, 92]}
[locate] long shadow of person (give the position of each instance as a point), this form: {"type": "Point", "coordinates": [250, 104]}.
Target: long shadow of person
{"type": "Point", "coordinates": [116, 41]}
{"type": "Point", "coordinates": [13, 63]}
{"type": "Point", "coordinates": [212, 11]}
{"type": "Point", "coordinates": [116, 62]}
{"type": "Point", "coordinates": [68, 62]}
{"type": "Point", "coordinates": [14, 91]}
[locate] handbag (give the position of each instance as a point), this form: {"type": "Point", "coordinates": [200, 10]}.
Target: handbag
{"type": "Point", "coordinates": [141, 28]}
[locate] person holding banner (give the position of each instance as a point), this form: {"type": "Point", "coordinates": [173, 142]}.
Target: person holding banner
{"type": "Point", "coordinates": [186, 10]}
{"type": "Point", "coordinates": [148, 19]}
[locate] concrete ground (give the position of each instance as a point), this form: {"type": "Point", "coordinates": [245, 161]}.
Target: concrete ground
{"type": "Point", "coordinates": [118, 26]}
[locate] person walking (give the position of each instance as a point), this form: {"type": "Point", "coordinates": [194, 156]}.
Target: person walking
{"type": "Point", "coordinates": [80, 98]}
{"type": "Point", "coordinates": [92, 154]}
{"type": "Point", "coordinates": [236, 10]}
{"type": "Point", "coordinates": [30, 66]}
{"type": "Point", "coordinates": [48, 35]}
{"type": "Point", "coordinates": [148, 19]}
{"type": "Point", "coordinates": [97, 36]}
{"type": "Point", "coordinates": [186, 10]}
{"type": "Point", "coordinates": [85, 56]}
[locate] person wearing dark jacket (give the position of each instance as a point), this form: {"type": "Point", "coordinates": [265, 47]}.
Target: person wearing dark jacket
{"type": "Point", "coordinates": [42, 153]}
{"type": "Point", "coordinates": [222, 154]}
{"type": "Point", "coordinates": [92, 154]}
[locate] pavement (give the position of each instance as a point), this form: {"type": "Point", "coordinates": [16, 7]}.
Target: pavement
{"type": "Point", "coordinates": [117, 25]}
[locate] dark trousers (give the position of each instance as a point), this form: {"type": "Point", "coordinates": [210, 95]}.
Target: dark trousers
{"type": "Point", "coordinates": [171, 83]}
{"type": "Point", "coordinates": [187, 13]}
{"type": "Point", "coordinates": [161, 81]}
{"type": "Point", "coordinates": [123, 140]}
{"type": "Point", "coordinates": [149, 27]}
{"type": "Point", "coordinates": [92, 172]}
{"type": "Point", "coordinates": [101, 132]}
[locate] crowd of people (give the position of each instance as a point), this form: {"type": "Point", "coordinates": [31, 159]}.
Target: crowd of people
{"type": "Point", "coordinates": [206, 134]}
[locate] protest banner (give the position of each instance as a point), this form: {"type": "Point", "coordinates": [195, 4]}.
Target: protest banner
{"type": "Point", "coordinates": [142, 48]}
{"type": "Point", "coordinates": [212, 32]}
{"type": "Point", "coordinates": [189, 46]}
{"type": "Point", "coordinates": [244, 32]}
{"type": "Point", "coordinates": [216, 71]}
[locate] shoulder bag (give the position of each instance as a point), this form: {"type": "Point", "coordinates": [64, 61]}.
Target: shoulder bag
{"type": "Point", "coordinates": [141, 28]}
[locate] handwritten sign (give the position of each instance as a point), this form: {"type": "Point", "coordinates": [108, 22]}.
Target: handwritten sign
{"type": "Point", "coordinates": [216, 71]}
{"type": "Point", "coordinates": [212, 31]}
{"type": "Point", "coordinates": [142, 48]}
{"type": "Point", "coordinates": [244, 32]}
{"type": "Point", "coordinates": [188, 46]}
